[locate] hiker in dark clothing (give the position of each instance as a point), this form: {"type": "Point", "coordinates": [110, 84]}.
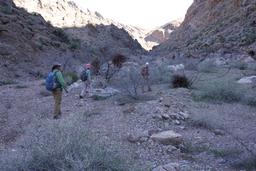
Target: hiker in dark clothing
{"type": "Point", "coordinates": [57, 92]}
{"type": "Point", "coordinates": [145, 76]}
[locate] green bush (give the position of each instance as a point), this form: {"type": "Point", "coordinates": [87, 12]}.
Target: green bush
{"type": "Point", "coordinates": [189, 148]}
{"type": "Point", "coordinates": [246, 164]}
{"type": "Point", "coordinates": [160, 74]}
{"type": "Point", "coordinates": [220, 91]}
{"type": "Point", "coordinates": [62, 35]}
{"type": "Point", "coordinates": [75, 44]}
{"type": "Point", "coordinates": [6, 9]}
{"type": "Point", "coordinates": [71, 77]}
{"type": "Point", "coordinates": [227, 152]}
{"type": "Point", "coordinates": [249, 99]}
{"type": "Point", "coordinates": [207, 66]}
{"type": "Point", "coordinates": [61, 145]}
{"type": "Point", "coordinates": [204, 121]}
{"type": "Point", "coordinates": [240, 65]}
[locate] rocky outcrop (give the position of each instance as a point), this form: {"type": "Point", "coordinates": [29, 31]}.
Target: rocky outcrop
{"type": "Point", "coordinates": [167, 138]}
{"type": "Point", "coordinates": [162, 34]}
{"type": "Point", "coordinates": [62, 13]}
{"type": "Point", "coordinates": [23, 37]}
{"type": "Point", "coordinates": [214, 26]}
{"type": "Point", "coordinates": [66, 14]}
{"type": "Point", "coordinates": [28, 41]}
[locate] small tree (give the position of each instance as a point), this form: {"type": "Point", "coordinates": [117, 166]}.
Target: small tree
{"type": "Point", "coordinates": [114, 66]}
{"type": "Point", "coordinates": [96, 66]}
{"type": "Point", "coordinates": [118, 60]}
{"type": "Point", "coordinates": [131, 81]}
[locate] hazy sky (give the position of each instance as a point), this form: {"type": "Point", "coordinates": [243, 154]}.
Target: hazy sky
{"type": "Point", "coordinates": [142, 13]}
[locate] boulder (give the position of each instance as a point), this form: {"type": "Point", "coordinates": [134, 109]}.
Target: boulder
{"type": "Point", "coordinates": [168, 167]}
{"type": "Point", "coordinates": [247, 80]}
{"type": "Point", "coordinates": [177, 67]}
{"type": "Point", "coordinates": [167, 138]}
{"type": "Point", "coordinates": [107, 92]}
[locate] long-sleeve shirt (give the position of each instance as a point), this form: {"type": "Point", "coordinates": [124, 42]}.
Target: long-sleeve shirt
{"type": "Point", "coordinates": [60, 79]}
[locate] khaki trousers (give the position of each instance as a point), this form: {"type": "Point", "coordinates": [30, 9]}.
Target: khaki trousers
{"type": "Point", "coordinates": [57, 95]}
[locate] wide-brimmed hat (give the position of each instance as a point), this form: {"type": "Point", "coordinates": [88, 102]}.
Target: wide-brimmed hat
{"type": "Point", "coordinates": [55, 65]}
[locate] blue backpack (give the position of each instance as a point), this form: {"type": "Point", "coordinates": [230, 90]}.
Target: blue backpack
{"type": "Point", "coordinates": [51, 82]}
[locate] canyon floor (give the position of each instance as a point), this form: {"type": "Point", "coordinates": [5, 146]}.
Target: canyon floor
{"type": "Point", "coordinates": [215, 136]}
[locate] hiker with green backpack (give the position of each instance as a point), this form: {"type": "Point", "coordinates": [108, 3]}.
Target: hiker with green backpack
{"type": "Point", "coordinates": [86, 79]}
{"type": "Point", "coordinates": [56, 83]}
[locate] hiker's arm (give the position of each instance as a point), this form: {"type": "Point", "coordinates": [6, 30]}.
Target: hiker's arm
{"type": "Point", "coordinates": [61, 80]}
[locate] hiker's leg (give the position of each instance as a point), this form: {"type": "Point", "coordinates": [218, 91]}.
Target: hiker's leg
{"type": "Point", "coordinates": [87, 88]}
{"type": "Point", "coordinates": [57, 94]}
{"type": "Point", "coordinates": [148, 84]}
{"type": "Point", "coordinates": [83, 90]}
{"type": "Point", "coordinates": [55, 104]}
{"type": "Point", "coordinates": [143, 85]}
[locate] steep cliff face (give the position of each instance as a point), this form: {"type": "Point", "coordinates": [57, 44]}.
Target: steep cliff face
{"type": "Point", "coordinates": [97, 35]}
{"type": "Point", "coordinates": [23, 36]}
{"type": "Point", "coordinates": [163, 33]}
{"type": "Point", "coordinates": [29, 44]}
{"type": "Point", "coordinates": [214, 26]}
{"type": "Point", "coordinates": [65, 13]}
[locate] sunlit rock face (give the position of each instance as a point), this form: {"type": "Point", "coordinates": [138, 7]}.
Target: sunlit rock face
{"type": "Point", "coordinates": [162, 34]}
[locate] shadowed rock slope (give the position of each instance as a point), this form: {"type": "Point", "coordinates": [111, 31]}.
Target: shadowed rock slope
{"type": "Point", "coordinates": [29, 44]}
{"type": "Point", "coordinates": [23, 37]}
{"type": "Point", "coordinates": [65, 13]}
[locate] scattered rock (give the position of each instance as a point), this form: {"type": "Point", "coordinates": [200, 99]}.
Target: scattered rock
{"type": "Point", "coordinates": [218, 132]}
{"type": "Point", "coordinates": [247, 80]}
{"type": "Point", "coordinates": [139, 138]}
{"type": "Point", "coordinates": [176, 67]}
{"type": "Point", "coordinates": [161, 99]}
{"type": "Point", "coordinates": [185, 115]}
{"type": "Point", "coordinates": [167, 138]}
{"type": "Point", "coordinates": [168, 167]}
{"type": "Point", "coordinates": [153, 131]}
{"type": "Point", "coordinates": [177, 122]}
{"type": "Point", "coordinates": [165, 116]}
{"type": "Point", "coordinates": [45, 93]}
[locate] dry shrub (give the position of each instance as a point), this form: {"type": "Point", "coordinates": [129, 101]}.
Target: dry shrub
{"type": "Point", "coordinates": [180, 81]}
{"type": "Point", "coordinates": [220, 91]}
{"type": "Point", "coordinates": [96, 66]}
{"type": "Point", "coordinates": [118, 60]}
{"type": "Point", "coordinates": [61, 145]}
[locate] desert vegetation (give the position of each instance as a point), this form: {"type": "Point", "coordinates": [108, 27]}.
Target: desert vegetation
{"type": "Point", "coordinates": [197, 114]}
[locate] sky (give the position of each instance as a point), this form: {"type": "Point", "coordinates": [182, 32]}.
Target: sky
{"type": "Point", "coordinates": [146, 14]}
